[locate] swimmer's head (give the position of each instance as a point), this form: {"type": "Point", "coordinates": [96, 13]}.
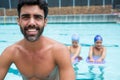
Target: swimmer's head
{"type": "Point", "coordinates": [75, 37]}
{"type": "Point", "coordinates": [98, 37]}
{"type": "Point", "coordinates": [98, 41]}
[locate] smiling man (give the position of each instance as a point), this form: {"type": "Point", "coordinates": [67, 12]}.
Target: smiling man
{"type": "Point", "coordinates": [36, 56]}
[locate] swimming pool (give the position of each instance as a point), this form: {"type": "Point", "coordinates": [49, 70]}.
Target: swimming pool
{"type": "Point", "coordinates": [110, 32]}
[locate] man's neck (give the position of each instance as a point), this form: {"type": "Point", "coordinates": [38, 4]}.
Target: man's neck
{"type": "Point", "coordinates": [33, 45]}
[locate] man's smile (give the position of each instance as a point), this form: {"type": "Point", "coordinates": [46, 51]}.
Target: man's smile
{"type": "Point", "coordinates": [32, 31]}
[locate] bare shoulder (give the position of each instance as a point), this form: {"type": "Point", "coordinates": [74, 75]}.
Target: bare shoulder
{"type": "Point", "coordinates": [104, 48]}
{"type": "Point", "coordinates": [59, 50]}
{"type": "Point", "coordinates": [80, 46]}
{"type": "Point", "coordinates": [7, 56]}
{"type": "Point", "coordinates": [91, 47]}
{"type": "Point", "coordinates": [57, 46]}
{"type": "Point", "coordinates": [61, 53]}
{"type": "Point", "coordinates": [9, 51]}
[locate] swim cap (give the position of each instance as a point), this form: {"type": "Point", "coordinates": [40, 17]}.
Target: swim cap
{"type": "Point", "coordinates": [98, 37]}
{"type": "Point", "coordinates": [75, 37]}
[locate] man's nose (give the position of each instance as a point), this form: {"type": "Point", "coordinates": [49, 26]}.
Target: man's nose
{"type": "Point", "coordinates": [32, 22]}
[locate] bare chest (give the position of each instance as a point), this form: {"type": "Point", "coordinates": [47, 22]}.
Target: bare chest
{"type": "Point", "coordinates": [35, 66]}
{"type": "Point", "coordinates": [97, 52]}
{"type": "Point", "coordinates": [73, 50]}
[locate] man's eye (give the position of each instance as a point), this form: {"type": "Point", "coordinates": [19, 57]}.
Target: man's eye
{"type": "Point", "coordinates": [25, 17]}
{"type": "Point", "coordinates": [38, 17]}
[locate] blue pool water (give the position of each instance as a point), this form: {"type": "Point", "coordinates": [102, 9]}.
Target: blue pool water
{"type": "Point", "coordinates": [10, 34]}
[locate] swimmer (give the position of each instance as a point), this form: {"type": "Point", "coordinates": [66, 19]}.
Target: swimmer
{"type": "Point", "coordinates": [97, 52]}
{"type": "Point", "coordinates": [37, 57]}
{"type": "Point", "coordinates": [75, 49]}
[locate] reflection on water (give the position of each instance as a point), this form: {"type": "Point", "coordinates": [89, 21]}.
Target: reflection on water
{"type": "Point", "coordinates": [94, 73]}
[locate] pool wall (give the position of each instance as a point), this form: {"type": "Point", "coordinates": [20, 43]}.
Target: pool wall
{"type": "Point", "coordinates": [82, 18]}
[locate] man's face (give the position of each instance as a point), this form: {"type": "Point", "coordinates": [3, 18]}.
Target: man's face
{"type": "Point", "coordinates": [98, 44]}
{"type": "Point", "coordinates": [31, 22]}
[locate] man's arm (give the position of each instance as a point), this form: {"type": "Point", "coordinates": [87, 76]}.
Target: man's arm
{"type": "Point", "coordinates": [62, 57]}
{"type": "Point", "coordinates": [5, 62]}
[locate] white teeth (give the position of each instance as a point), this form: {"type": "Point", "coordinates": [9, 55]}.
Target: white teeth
{"type": "Point", "coordinates": [31, 29]}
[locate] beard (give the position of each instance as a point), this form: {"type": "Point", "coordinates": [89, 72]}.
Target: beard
{"type": "Point", "coordinates": [32, 37]}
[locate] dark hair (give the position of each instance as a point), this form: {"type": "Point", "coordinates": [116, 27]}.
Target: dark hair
{"type": "Point", "coordinates": [41, 3]}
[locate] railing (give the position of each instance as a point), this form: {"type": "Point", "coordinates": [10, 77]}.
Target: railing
{"type": "Point", "coordinates": [70, 18]}
{"type": "Point", "coordinates": [82, 18]}
{"type": "Point", "coordinates": [8, 19]}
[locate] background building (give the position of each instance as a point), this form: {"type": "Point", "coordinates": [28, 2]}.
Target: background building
{"type": "Point", "coordinates": [8, 4]}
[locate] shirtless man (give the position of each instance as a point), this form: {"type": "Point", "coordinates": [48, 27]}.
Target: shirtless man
{"type": "Point", "coordinates": [37, 57]}
{"type": "Point", "coordinates": [75, 49]}
{"type": "Point", "coordinates": [98, 51]}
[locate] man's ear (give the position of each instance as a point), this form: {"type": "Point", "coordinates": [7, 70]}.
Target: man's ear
{"type": "Point", "coordinates": [46, 21]}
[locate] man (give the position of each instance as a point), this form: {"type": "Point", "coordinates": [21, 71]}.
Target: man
{"type": "Point", "coordinates": [97, 52]}
{"type": "Point", "coordinates": [75, 49]}
{"type": "Point", "coordinates": [37, 57]}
